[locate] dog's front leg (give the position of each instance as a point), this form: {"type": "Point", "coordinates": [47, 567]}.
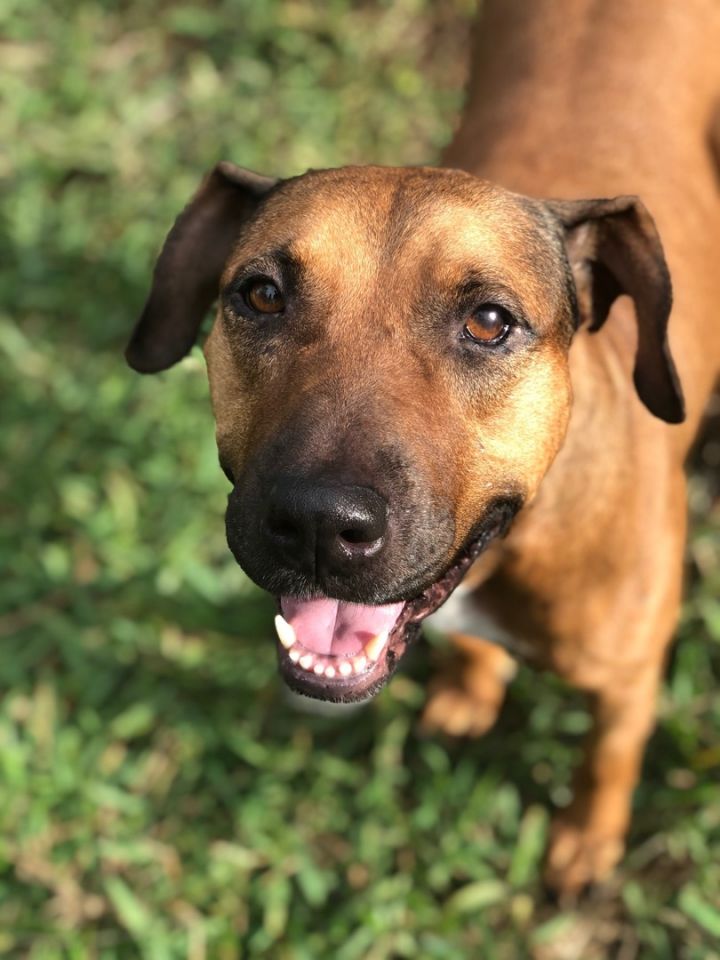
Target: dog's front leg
{"type": "Point", "coordinates": [465, 698]}
{"type": "Point", "coordinates": [587, 838]}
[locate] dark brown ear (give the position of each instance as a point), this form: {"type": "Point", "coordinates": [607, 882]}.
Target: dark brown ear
{"type": "Point", "coordinates": [614, 248]}
{"type": "Point", "coordinates": [189, 267]}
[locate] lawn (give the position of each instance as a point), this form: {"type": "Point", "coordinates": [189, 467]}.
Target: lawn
{"type": "Point", "coordinates": [160, 797]}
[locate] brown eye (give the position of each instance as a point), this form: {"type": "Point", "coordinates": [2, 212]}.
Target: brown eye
{"type": "Point", "coordinates": [264, 296]}
{"type": "Point", "coordinates": [489, 324]}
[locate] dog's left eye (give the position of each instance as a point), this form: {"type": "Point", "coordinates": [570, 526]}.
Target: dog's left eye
{"type": "Point", "coordinates": [263, 296]}
{"type": "Point", "coordinates": [488, 325]}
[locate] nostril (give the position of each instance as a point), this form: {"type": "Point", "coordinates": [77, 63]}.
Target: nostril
{"type": "Point", "coordinates": [357, 537]}
{"type": "Point", "coordinates": [357, 543]}
{"type": "Point", "coordinates": [282, 527]}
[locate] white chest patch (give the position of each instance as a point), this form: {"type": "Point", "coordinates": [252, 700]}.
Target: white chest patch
{"type": "Point", "coordinates": [462, 613]}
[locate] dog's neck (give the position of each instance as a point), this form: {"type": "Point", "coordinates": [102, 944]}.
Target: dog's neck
{"type": "Point", "coordinates": [562, 92]}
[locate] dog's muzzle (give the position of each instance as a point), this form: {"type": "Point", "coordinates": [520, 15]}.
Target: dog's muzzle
{"type": "Point", "coordinates": [324, 550]}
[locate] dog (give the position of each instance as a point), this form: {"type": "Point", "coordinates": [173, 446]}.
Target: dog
{"type": "Point", "coordinates": [435, 392]}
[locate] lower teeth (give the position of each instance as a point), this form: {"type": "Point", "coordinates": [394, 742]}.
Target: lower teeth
{"type": "Point", "coordinates": [344, 667]}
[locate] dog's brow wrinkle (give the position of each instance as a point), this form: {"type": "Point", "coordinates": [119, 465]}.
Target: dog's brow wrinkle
{"type": "Point", "coordinates": [284, 256]}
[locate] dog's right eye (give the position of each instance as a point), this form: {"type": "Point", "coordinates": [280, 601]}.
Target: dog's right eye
{"type": "Point", "coordinates": [488, 325]}
{"type": "Point", "coordinates": [263, 296]}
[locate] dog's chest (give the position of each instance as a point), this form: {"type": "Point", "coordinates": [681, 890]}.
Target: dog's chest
{"type": "Point", "coordinates": [464, 613]}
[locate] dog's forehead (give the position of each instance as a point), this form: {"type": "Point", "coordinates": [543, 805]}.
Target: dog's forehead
{"type": "Point", "coordinates": [349, 225]}
{"type": "Point", "coordinates": [387, 208]}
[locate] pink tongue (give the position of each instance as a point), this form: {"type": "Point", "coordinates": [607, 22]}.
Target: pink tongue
{"type": "Point", "coordinates": [335, 627]}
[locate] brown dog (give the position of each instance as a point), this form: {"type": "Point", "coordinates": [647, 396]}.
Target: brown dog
{"type": "Point", "coordinates": [404, 360]}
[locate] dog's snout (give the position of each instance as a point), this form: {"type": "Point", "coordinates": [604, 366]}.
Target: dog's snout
{"type": "Point", "coordinates": [325, 524]}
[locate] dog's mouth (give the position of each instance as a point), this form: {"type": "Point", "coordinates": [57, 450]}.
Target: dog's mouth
{"type": "Point", "coordinates": [344, 652]}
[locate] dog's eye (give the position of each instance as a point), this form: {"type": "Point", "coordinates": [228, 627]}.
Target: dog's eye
{"type": "Point", "coordinates": [489, 324]}
{"type": "Point", "coordinates": [263, 296]}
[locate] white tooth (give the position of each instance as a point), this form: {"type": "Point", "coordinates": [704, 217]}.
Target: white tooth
{"type": "Point", "coordinates": [345, 668]}
{"type": "Point", "coordinates": [306, 661]}
{"type": "Point", "coordinates": [374, 647]}
{"type": "Point", "coordinates": [294, 654]}
{"type": "Point", "coordinates": [329, 672]}
{"type": "Point", "coordinates": [359, 663]}
{"type": "Point", "coordinates": [318, 669]}
{"type": "Point", "coordinates": [285, 632]}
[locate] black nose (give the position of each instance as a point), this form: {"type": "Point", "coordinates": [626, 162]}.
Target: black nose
{"type": "Point", "coordinates": [325, 525]}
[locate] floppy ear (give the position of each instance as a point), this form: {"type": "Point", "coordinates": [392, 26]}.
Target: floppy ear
{"type": "Point", "coordinates": [188, 270]}
{"type": "Point", "coordinates": [614, 248]}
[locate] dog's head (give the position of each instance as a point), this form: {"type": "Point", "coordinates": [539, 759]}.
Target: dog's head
{"type": "Point", "coordinates": [389, 377]}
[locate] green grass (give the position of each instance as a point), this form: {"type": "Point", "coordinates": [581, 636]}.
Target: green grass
{"type": "Point", "coordinates": [159, 796]}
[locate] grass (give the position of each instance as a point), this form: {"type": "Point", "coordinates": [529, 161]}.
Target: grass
{"type": "Point", "coordinates": [159, 796]}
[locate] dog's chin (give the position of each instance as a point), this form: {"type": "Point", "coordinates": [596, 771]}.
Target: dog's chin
{"type": "Point", "coordinates": [351, 671]}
